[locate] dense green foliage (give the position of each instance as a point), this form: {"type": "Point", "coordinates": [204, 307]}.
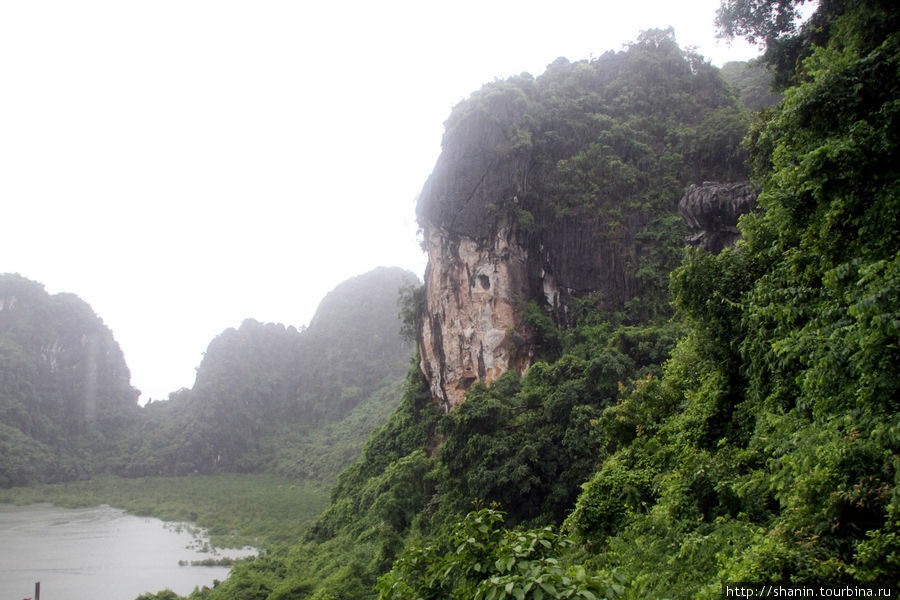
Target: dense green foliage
{"type": "Point", "coordinates": [771, 453]}
{"type": "Point", "coordinates": [486, 562]}
{"type": "Point", "coordinates": [529, 444]}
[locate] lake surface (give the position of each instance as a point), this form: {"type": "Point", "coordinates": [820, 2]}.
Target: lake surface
{"type": "Point", "coordinates": [97, 553]}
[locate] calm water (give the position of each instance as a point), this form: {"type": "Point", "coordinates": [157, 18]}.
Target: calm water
{"type": "Point", "coordinates": [95, 554]}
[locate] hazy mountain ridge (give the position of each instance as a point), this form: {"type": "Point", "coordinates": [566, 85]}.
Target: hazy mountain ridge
{"type": "Point", "coordinates": [68, 409]}
{"type": "Point", "coordinates": [264, 387]}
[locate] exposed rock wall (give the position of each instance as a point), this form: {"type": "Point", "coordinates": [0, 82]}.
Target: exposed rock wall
{"type": "Point", "coordinates": [473, 330]}
{"type": "Point", "coordinates": [712, 211]}
{"type": "Point", "coordinates": [476, 289]}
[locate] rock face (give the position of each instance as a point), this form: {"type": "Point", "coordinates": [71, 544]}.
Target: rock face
{"type": "Point", "coordinates": [477, 274]}
{"type": "Point", "coordinates": [472, 330]}
{"type": "Point", "coordinates": [712, 210]}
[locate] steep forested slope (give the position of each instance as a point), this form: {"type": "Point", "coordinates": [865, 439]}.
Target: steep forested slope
{"type": "Point", "coordinates": [768, 449]}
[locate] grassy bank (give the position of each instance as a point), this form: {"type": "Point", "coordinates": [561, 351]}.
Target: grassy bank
{"type": "Point", "coordinates": [261, 510]}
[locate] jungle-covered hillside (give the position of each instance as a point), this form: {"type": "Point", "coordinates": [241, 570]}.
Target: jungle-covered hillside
{"type": "Point", "coordinates": [752, 436]}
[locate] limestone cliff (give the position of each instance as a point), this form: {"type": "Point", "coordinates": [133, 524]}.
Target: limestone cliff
{"type": "Point", "coordinates": [562, 192]}
{"type": "Point", "coordinates": [477, 273]}
{"type": "Point", "coordinates": [473, 330]}
{"type": "Point", "coordinates": [495, 242]}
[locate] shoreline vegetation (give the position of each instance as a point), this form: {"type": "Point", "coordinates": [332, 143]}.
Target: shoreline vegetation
{"type": "Point", "coordinates": [225, 561]}
{"type": "Point", "coordinates": [264, 511]}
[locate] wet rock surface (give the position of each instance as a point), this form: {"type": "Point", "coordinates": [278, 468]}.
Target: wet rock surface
{"type": "Point", "coordinates": [472, 330]}
{"type": "Point", "coordinates": [712, 210]}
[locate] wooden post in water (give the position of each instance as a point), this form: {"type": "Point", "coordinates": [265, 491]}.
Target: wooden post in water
{"type": "Point", "coordinates": [37, 590]}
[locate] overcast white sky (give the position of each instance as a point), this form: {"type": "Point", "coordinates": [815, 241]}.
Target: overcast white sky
{"type": "Point", "coordinates": [183, 165]}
